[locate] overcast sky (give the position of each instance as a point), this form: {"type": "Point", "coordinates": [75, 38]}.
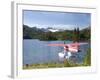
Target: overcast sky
{"type": "Point", "coordinates": [62, 20]}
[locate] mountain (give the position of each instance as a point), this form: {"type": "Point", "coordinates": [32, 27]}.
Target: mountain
{"type": "Point", "coordinates": [29, 33]}
{"type": "Point", "coordinates": [56, 34]}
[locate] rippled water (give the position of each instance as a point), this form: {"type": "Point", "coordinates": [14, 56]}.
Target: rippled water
{"type": "Point", "coordinates": [36, 51]}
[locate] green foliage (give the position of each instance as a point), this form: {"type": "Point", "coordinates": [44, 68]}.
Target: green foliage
{"type": "Point", "coordinates": [87, 59]}
{"type": "Point", "coordinates": [75, 35]}
{"type": "Point", "coordinates": [67, 64]}
{"type": "Point", "coordinates": [48, 36]}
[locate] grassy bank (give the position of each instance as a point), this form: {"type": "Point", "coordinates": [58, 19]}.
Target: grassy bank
{"type": "Point", "coordinates": [43, 65]}
{"type": "Point", "coordinates": [51, 65]}
{"type": "Point", "coordinates": [87, 59]}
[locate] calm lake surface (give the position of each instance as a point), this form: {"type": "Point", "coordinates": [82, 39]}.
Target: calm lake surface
{"type": "Point", "coordinates": [36, 51]}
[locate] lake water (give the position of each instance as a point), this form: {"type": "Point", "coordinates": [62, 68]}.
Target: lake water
{"type": "Point", "coordinates": [36, 51]}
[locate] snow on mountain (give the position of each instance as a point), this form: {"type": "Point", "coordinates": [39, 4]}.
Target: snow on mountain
{"type": "Point", "coordinates": [49, 29]}
{"type": "Point", "coordinates": [53, 30]}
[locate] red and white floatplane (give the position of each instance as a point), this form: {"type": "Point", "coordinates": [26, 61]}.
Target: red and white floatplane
{"type": "Point", "coordinates": [68, 49]}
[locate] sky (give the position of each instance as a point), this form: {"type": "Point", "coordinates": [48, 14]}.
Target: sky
{"type": "Point", "coordinates": [61, 20]}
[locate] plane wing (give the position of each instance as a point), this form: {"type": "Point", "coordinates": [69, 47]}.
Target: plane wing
{"type": "Point", "coordinates": [70, 44]}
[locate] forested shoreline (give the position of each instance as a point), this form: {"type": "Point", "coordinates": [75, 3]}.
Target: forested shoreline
{"type": "Point", "coordinates": [74, 35]}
